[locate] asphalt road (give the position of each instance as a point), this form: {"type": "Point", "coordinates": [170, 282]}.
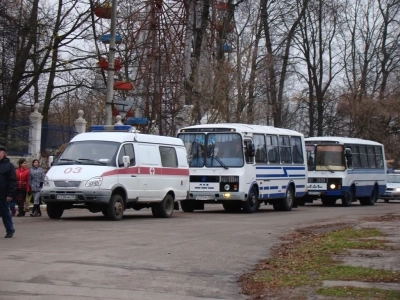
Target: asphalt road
{"type": "Point", "coordinates": [196, 255]}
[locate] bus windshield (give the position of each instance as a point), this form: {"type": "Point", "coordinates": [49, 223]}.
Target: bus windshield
{"type": "Point", "coordinates": [212, 150]}
{"type": "Point", "coordinates": [329, 158]}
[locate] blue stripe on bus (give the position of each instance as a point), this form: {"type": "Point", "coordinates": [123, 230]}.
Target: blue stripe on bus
{"type": "Point", "coordinates": [284, 186]}
{"type": "Point", "coordinates": [300, 186]}
{"type": "Point", "coordinates": [273, 187]}
{"type": "Point", "coordinates": [277, 195]}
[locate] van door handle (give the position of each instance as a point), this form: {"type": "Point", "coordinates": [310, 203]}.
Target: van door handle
{"type": "Point", "coordinates": [133, 175]}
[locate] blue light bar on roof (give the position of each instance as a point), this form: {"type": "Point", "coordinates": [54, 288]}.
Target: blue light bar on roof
{"type": "Point", "coordinates": [102, 128]}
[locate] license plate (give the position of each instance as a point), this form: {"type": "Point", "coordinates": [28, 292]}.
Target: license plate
{"type": "Point", "coordinates": [205, 198]}
{"type": "Point", "coordinates": [66, 197]}
{"type": "Point", "coordinates": [314, 193]}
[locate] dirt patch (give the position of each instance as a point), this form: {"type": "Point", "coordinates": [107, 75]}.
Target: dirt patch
{"type": "Point", "coordinates": [383, 259]}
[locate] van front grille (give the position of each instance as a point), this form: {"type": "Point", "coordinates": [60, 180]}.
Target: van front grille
{"type": "Point", "coordinates": [67, 184]}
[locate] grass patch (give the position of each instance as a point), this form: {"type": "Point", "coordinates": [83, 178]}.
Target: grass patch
{"type": "Point", "coordinates": [306, 260]}
{"type": "Point", "coordinates": [360, 293]}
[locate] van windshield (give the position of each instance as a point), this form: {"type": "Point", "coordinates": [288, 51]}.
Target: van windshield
{"type": "Point", "coordinates": [221, 150]}
{"type": "Point", "coordinates": [89, 153]}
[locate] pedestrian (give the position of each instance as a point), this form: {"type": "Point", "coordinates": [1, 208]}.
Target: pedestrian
{"type": "Point", "coordinates": [22, 177]}
{"type": "Point", "coordinates": [36, 178]}
{"type": "Point", "coordinates": [7, 190]}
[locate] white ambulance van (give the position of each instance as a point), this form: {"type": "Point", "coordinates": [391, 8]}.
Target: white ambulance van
{"type": "Point", "coordinates": [112, 168]}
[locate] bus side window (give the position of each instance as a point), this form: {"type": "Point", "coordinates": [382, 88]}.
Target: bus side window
{"type": "Point", "coordinates": [349, 158]}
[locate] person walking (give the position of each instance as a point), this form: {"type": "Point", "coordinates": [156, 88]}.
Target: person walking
{"type": "Point", "coordinates": [36, 178]}
{"type": "Point", "coordinates": [22, 176]}
{"type": "Point", "coordinates": [7, 190]}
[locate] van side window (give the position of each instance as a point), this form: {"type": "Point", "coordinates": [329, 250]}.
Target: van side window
{"type": "Point", "coordinates": [259, 145]}
{"type": "Point", "coordinates": [355, 156]}
{"type": "Point", "coordinates": [286, 153]}
{"type": "Point", "coordinates": [379, 157]}
{"type": "Point", "coordinates": [297, 150]}
{"type": "Point", "coordinates": [273, 149]}
{"type": "Point", "coordinates": [168, 157]}
{"type": "Point", "coordinates": [126, 150]}
{"type": "Point", "coordinates": [363, 157]}
{"type": "Point", "coordinates": [371, 157]}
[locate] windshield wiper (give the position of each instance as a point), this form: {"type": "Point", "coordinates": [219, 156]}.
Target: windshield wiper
{"type": "Point", "coordinates": [220, 161]}
{"type": "Point", "coordinates": [329, 169]}
{"type": "Point", "coordinates": [95, 161]}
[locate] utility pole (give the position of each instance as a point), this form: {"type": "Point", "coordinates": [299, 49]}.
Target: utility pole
{"type": "Point", "coordinates": [111, 60]}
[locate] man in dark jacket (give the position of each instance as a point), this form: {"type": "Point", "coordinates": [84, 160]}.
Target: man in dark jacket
{"type": "Point", "coordinates": [7, 189]}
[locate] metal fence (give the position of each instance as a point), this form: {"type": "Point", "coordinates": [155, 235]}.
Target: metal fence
{"type": "Point", "coordinates": [15, 136]}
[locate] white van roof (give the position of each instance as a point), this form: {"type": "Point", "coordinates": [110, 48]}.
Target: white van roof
{"type": "Point", "coordinates": [121, 137]}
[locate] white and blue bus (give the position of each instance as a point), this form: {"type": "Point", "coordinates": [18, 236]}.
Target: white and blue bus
{"type": "Point", "coordinates": [242, 166]}
{"type": "Point", "coordinates": [348, 169]}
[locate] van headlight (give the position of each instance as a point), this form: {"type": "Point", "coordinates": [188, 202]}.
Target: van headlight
{"type": "Point", "coordinates": [333, 186]}
{"type": "Point", "coordinates": [397, 189]}
{"type": "Point", "coordinates": [46, 181]}
{"type": "Point", "coordinates": [95, 181]}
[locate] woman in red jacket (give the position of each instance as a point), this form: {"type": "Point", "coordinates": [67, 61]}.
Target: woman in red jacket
{"type": "Point", "coordinates": [22, 176]}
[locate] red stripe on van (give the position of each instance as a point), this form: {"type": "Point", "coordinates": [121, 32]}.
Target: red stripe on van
{"type": "Point", "coordinates": [148, 170]}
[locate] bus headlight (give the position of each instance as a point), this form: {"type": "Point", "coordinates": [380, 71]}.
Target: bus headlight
{"type": "Point", "coordinates": [227, 187]}
{"type": "Point", "coordinates": [95, 181]}
{"type": "Point", "coordinates": [332, 186]}
{"type": "Point", "coordinates": [397, 189]}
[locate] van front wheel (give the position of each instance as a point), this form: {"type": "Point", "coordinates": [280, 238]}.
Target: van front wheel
{"type": "Point", "coordinates": [163, 209]}
{"type": "Point", "coordinates": [115, 209]}
{"type": "Point", "coordinates": [54, 210]}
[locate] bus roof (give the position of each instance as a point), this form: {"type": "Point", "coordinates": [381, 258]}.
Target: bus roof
{"type": "Point", "coordinates": [249, 128]}
{"type": "Point", "coordinates": [127, 137]}
{"type": "Point", "coordinates": [340, 140]}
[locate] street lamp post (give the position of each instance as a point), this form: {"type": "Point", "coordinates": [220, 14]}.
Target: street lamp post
{"type": "Point", "coordinates": [111, 60]}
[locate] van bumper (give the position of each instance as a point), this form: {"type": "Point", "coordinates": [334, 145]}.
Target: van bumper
{"type": "Point", "coordinates": [76, 196]}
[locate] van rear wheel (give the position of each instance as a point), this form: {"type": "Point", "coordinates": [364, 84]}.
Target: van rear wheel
{"type": "Point", "coordinates": [115, 209]}
{"type": "Point", "coordinates": [163, 209]}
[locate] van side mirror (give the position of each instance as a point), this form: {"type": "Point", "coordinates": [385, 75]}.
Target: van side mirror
{"type": "Point", "coordinates": [251, 150]}
{"type": "Point", "coordinates": [51, 161]}
{"type": "Point", "coordinates": [126, 160]}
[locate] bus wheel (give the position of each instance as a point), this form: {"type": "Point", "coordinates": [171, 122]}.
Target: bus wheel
{"type": "Point", "coordinates": [187, 206]}
{"type": "Point", "coordinates": [251, 204]}
{"type": "Point", "coordinates": [371, 199]}
{"type": "Point", "coordinates": [351, 197]}
{"type": "Point", "coordinates": [115, 209]}
{"type": "Point", "coordinates": [54, 210]}
{"type": "Point", "coordinates": [287, 203]}
{"type": "Point", "coordinates": [232, 205]}
{"type": "Point", "coordinates": [165, 208]}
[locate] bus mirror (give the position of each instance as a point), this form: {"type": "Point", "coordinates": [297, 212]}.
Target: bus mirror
{"type": "Point", "coordinates": [126, 161]}
{"type": "Point", "coordinates": [251, 150]}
